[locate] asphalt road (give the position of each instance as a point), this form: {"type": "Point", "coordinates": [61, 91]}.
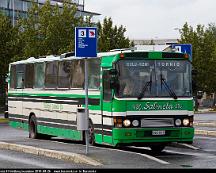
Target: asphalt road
{"type": "Point", "coordinates": [205, 117]}
{"type": "Point", "coordinates": [202, 154]}
{"type": "Point", "coordinates": [17, 160]}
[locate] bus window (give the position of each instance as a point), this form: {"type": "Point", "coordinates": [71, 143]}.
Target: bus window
{"type": "Point", "coordinates": [94, 73]}
{"type": "Point", "coordinates": [29, 76]}
{"type": "Point", "coordinates": [39, 75]}
{"type": "Point", "coordinates": [64, 74]}
{"type": "Point", "coordinates": [78, 74]}
{"type": "Point", "coordinates": [20, 76]}
{"type": "Point", "coordinates": [107, 93]}
{"type": "Point", "coordinates": [51, 74]}
{"type": "Point", "coordinates": [12, 76]}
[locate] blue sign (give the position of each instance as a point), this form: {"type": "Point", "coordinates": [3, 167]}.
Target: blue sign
{"type": "Point", "coordinates": [86, 42]}
{"type": "Point", "coordinates": [184, 48]}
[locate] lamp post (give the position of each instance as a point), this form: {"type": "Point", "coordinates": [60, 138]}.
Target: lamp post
{"type": "Point", "coordinates": [13, 22]}
{"type": "Point", "coordinates": [178, 29]}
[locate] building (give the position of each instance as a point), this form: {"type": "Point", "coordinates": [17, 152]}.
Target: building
{"type": "Point", "coordinates": [154, 41]}
{"type": "Point", "coordinates": [19, 8]}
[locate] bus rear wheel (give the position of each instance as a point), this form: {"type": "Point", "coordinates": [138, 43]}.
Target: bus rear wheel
{"type": "Point", "coordinates": [33, 128]}
{"type": "Point", "coordinates": [157, 149]}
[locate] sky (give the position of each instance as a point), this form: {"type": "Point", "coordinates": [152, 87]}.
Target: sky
{"type": "Point", "coordinates": [154, 19]}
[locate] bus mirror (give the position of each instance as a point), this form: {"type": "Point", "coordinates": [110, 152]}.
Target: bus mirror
{"type": "Point", "coordinates": [113, 83]}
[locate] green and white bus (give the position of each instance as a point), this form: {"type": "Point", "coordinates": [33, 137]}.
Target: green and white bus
{"type": "Point", "coordinates": [135, 98]}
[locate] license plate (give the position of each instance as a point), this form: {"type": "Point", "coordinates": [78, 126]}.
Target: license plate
{"type": "Point", "coordinates": [158, 132]}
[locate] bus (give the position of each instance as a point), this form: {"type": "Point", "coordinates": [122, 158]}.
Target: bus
{"type": "Point", "coordinates": [136, 98]}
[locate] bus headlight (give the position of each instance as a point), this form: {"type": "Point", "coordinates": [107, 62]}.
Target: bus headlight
{"type": "Point", "coordinates": [126, 123]}
{"type": "Point", "coordinates": [135, 123]}
{"type": "Point", "coordinates": [177, 122]}
{"type": "Point", "coordinates": [186, 122]}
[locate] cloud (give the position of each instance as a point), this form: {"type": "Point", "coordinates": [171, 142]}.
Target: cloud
{"type": "Point", "coordinates": [154, 18]}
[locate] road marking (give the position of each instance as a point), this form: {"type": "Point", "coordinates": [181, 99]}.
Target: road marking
{"type": "Point", "coordinates": [144, 155]}
{"type": "Point", "coordinates": [190, 154]}
{"type": "Point", "coordinates": [189, 146]}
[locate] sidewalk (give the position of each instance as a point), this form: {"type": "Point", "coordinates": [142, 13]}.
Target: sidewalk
{"type": "Point", "coordinates": [3, 119]}
{"type": "Point", "coordinates": [205, 110]}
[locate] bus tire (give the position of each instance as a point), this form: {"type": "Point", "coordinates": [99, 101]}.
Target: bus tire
{"type": "Point", "coordinates": [91, 133]}
{"type": "Point", "coordinates": [33, 128]}
{"type": "Point", "coordinates": [157, 149]}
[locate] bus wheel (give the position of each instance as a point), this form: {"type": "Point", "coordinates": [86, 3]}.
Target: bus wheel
{"type": "Point", "coordinates": [157, 149]}
{"type": "Point", "coordinates": [91, 134]}
{"type": "Point", "coordinates": [33, 128]}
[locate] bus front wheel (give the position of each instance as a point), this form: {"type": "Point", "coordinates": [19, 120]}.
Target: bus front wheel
{"type": "Point", "coordinates": [157, 149]}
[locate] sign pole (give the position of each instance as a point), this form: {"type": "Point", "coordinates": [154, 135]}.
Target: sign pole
{"type": "Point", "coordinates": [86, 47]}
{"type": "Point", "coordinates": [86, 105]}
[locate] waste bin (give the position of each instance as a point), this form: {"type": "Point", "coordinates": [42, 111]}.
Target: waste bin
{"type": "Point", "coordinates": [82, 119]}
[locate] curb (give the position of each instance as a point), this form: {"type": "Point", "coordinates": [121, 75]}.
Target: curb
{"type": "Point", "coordinates": [73, 157]}
{"type": "Point", "coordinates": [205, 124]}
{"type": "Point", "coordinates": [204, 112]}
{"type": "Point", "coordinates": [205, 132]}
{"type": "Point", "coordinates": [4, 120]}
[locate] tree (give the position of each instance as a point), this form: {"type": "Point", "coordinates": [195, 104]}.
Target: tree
{"type": "Point", "coordinates": [49, 29]}
{"type": "Point", "coordinates": [203, 40]}
{"type": "Point", "coordinates": [7, 51]}
{"type": "Point", "coordinates": [111, 37]}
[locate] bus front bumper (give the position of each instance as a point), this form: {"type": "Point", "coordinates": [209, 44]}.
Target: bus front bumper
{"type": "Point", "coordinates": [151, 135]}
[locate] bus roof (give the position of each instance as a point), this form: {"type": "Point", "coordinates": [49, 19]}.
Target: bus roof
{"type": "Point", "coordinates": [59, 57]}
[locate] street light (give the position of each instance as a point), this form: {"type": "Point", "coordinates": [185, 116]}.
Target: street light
{"type": "Point", "coordinates": [178, 29]}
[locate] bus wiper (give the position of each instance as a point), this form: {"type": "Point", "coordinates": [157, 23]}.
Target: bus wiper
{"type": "Point", "coordinates": [171, 92]}
{"type": "Point", "coordinates": [145, 88]}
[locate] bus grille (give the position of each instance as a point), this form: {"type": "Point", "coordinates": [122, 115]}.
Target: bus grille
{"type": "Point", "coordinates": [157, 122]}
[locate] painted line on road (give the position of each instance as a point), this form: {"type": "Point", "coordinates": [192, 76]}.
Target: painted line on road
{"type": "Point", "coordinates": [141, 154]}
{"type": "Point", "coordinates": [188, 146]}
{"type": "Point", "coordinates": [191, 154]}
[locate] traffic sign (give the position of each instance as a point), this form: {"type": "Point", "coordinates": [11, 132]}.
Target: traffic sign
{"type": "Point", "coordinates": [86, 42]}
{"type": "Point", "coordinates": [184, 48]}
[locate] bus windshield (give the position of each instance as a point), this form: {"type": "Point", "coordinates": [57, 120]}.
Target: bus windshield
{"type": "Point", "coordinates": [154, 78]}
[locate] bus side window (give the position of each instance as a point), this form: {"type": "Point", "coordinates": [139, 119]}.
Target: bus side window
{"type": "Point", "coordinates": [39, 75]}
{"type": "Point", "coordinates": [20, 76]}
{"type": "Point", "coordinates": [51, 74]}
{"type": "Point", "coordinates": [94, 73]}
{"type": "Point", "coordinates": [29, 76]}
{"type": "Point", "coordinates": [107, 92]}
{"type": "Point", "coordinates": [78, 74]}
{"type": "Point", "coordinates": [13, 76]}
{"type": "Point", "coordinates": [64, 74]}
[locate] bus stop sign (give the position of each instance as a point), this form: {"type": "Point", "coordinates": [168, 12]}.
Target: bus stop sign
{"type": "Point", "coordinates": [86, 42]}
{"type": "Point", "coordinates": [184, 48]}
